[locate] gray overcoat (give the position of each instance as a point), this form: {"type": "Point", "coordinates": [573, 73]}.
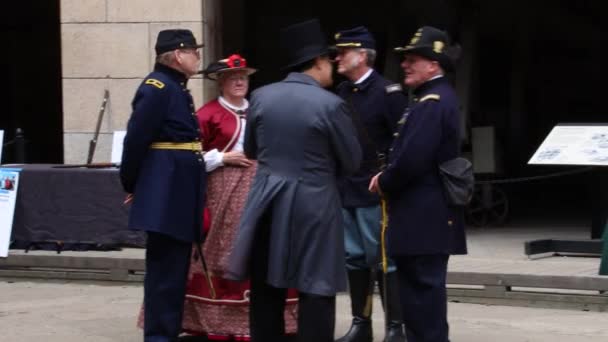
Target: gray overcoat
{"type": "Point", "coordinates": [303, 139]}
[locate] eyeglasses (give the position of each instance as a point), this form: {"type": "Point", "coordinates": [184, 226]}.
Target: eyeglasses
{"type": "Point", "coordinates": [344, 51]}
{"type": "Point", "coordinates": [234, 78]}
{"type": "Point", "coordinates": [196, 52]}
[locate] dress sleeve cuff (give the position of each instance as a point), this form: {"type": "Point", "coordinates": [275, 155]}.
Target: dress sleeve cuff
{"type": "Point", "coordinates": [213, 159]}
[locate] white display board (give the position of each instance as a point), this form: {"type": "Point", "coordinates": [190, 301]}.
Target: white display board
{"type": "Point", "coordinates": [1, 144]}
{"type": "Point", "coordinates": [117, 139]}
{"type": "Point", "coordinates": [9, 183]}
{"type": "Point", "coordinates": [574, 145]}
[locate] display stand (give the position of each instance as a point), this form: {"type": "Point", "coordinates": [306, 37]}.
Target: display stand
{"type": "Point", "coordinates": [581, 145]}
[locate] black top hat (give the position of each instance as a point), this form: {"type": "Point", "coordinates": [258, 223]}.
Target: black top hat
{"type": "Point", "coordinates": [303, 42]}
{"type": "Point", "coordinates": [169, 40]}
{"type": "Point", "coordinates": [232, 63]}
{"type": "Point", "coordinates": [358, 37]}
{"type": "Point", "coordinates": [434, 44]}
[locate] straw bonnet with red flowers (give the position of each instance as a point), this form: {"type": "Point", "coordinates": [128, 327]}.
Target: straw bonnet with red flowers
{"type": "Point", "coordinates": [232, 63]}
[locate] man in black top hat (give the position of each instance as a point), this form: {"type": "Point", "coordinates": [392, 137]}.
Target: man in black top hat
{"type": "Point", "coordinates": [163, 172]}
{"type": "Point", "coordinates": [291, 233]}
{"type": "Point", "coordinates": [376, 104]}
{"type": "Point", "coordinates": [424, 230]}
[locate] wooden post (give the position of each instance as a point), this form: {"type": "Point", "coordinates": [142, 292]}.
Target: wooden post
{"type": "Point", "coordinates": [604, 261]}
{"type": "Point", "coordinates": [464, 71]}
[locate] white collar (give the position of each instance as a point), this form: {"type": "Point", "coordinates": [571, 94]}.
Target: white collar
{"type": "Point", "coordinates": [435, 77]}
{"type": "Point", "coordinates": [365, 76]}
{"type": "Point", "coordinates": [225, 103]}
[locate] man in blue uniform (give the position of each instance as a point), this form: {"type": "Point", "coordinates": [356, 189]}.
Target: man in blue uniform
{"type": "Point", "coordinates": [163, 172]}
{"type": "Point", "coordinates": [376, 104]}
{"type": "Point", "coordinates": [423, 229]}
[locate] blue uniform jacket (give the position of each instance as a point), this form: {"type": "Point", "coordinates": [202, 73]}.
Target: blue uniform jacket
{"type": "Point", "coordinates": [420, 220]}
{"type": "Point", "coordinates": [376, 105]}
{"type": "Point", "coordinates": [168, 185]}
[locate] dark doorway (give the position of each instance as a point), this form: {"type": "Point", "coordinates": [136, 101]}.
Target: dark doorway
{"type": "Point", "coordinates": [31, 60]}
{"type": "Point", "coordinates": [539, 66]}
{"type": "Point", "coordinates": [252, 28]}
{"type": "Point", "coordinates": [534, 64]}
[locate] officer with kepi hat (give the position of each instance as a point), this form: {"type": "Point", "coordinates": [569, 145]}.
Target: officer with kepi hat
{"type": "Point", "coordinates": [163, 172]}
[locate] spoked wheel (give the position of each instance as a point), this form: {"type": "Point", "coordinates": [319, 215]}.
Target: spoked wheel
{"type": "Point", "coordinates": [489, 205]}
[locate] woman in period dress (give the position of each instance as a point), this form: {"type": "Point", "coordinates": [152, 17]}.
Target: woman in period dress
{"type": "Point", "coordinates": [221, 312]}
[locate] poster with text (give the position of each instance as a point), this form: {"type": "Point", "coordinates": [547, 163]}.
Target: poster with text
{"type": "Point", "coordinates": [9, 182]}
{"type": "Point", "coordinates": [574, 145]}
{"type": "Point", "coordinates": [117, 139]}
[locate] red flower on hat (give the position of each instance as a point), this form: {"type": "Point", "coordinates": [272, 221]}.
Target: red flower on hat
{"type": "Point", "coordinates": [236, 61]}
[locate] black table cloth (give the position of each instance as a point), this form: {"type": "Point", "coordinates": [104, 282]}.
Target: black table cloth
{"type": "Point", "coordinates": [71, 208]}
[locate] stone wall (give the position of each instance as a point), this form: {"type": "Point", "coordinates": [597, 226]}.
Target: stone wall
{"type": "Point", "coordinates": [109, 44]}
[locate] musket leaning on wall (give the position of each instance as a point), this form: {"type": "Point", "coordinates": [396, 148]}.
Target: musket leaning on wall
{"type": "Point", "coordinates": [93, 142]}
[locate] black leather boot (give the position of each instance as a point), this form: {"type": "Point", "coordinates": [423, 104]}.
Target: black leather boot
{"type": "Point", "coordinates": [360, 283]}
{"type": "Point", "coordinates": [395, 331]}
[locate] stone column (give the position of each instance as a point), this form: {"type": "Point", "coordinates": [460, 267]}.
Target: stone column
{"type": "Point", "coordinates": [109, 44]}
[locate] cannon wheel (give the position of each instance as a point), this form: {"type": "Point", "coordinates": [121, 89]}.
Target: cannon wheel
{"type": "Point", "coordinates": [488, 206]}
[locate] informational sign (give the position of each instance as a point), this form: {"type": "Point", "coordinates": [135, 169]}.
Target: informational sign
{"type": "Point", "coordinates": [574, 145]}
{"type": "Point", "coordinates": [1, 144]}
{"type": "Point", "coordinates": [9, 182]}
{"type": "Point", "coordinates": [117, 139]}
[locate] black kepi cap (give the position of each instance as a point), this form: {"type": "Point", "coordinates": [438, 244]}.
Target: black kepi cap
{"type": "Point", "coordinates": [169, 40]}
{"type": "Point", "coordinates": [358, 37]}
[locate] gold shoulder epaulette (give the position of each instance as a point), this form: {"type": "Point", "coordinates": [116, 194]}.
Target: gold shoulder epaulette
{"type": "Point", "coordinates": [391, 88]}
{"type": "Point", "coordinates": [430, 97]}
{"type": "Point", "coordinates": [158, 84]}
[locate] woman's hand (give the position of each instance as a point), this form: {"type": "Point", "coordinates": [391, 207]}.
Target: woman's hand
{"type": "Point", "coordinates": [374, 185]}
{"type": "Point", "coordinates": [236, 159]}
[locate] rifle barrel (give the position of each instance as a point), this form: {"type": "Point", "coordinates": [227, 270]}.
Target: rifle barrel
{"type": "Point", "coordinates": [93, 142]}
